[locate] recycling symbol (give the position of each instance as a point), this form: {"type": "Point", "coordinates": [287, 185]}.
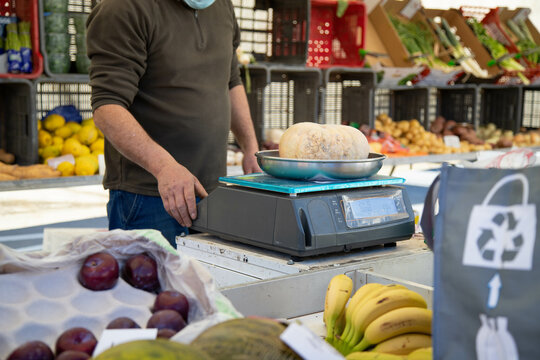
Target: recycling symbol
{"type": "Point", "coordinates": [500, 237]}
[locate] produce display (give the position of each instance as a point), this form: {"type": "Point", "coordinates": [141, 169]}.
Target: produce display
{"type": "Point", "coordinates": [307, 140]}
{"type": "Point", "coordinates": [417, 139]}
{"type": "Point", "coordinates": [83, 141]}
{"type": "Point", "coordinates": [376, 319]}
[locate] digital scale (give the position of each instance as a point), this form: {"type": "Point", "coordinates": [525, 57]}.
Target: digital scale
{"type": "Point", "coordinates": [306, 218]}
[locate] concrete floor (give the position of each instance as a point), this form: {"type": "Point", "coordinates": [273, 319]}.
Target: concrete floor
{"type": "Point", "coordinates": [25, 213]}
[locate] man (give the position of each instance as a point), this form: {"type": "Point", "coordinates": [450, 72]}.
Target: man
{"type": "Point", "coordinates": [166, 90]}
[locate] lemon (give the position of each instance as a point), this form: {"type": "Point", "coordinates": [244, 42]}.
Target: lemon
{"type": "Point", "coordinates": [100, 134]}
{"type": "Point", "coordinates": [66, 168]}
{"type": "Point", "coordinates": [85, 165]}
{"type": "Point", "coordinates": [53, 122]}
{"type": "Point", "coordinates": [63, 131]}
{"type": "Point", "coordinates": [88, 134]}
{"type": "Point", "coordinates": [39, 125]}
{"type": "Point", "coordinates": [44, 138]}
{"type": "Point", "coordinates": [74, 136]}
{"type": "Point", "coordinates": [74, 126]}
{"type": "Point", "coordinates": [89, 121]}
{"type": "Point", "coordinates": [50, 151]}
{"type": "Point", "coordinates": [85, 150]}
{"type": "Point", "coordinates": [98, 145]}
{"type": "Point", "coordinates": [72, 146]}
{"type": "Point", "coordinates": [58, 141]}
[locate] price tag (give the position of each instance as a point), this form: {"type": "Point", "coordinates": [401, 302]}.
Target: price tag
{"type": "Point", "coordinates": [112, 337]}
{"type": "Point", "coordinates": [308, 345]}
{"type": "Point", "coordinates": [452, 141]}
{"type": "Point", "coordinates": [411, 8]}
{"type": "Point", "coordinates": [54, 162]}
{"type": "Point", "coordinates": [522, 14]}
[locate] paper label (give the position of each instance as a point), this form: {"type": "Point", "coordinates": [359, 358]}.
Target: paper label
{"type": "Point", "coordinates": [452, 141]}
{"type": "Point", "coordinates": [411, 8]}
{"type": "Point", "coordinates": [522, 14]}
{"type": "Point", "coordinates": [307, 344]}
{"type": "Point", "coordinates": [54, 162]}
{"type": "Point", "coordinates": [112, 337]}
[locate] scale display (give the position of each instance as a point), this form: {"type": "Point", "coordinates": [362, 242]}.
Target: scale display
{"type": "Point", "coordinates": [373, 208]}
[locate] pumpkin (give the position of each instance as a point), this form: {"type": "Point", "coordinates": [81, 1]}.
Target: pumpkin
{"type": "Point", "coordinates": [313, 141]}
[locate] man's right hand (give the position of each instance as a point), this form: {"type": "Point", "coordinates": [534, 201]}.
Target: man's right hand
{"type": "Point", "coordinates": [178, 188]}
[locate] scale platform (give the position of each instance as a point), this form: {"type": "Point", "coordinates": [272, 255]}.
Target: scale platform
{"type": "Point", "coordinates": [305, 218]}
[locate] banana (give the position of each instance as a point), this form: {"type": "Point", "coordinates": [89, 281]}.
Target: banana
{"type": "Point", "coordinates": [366, 355]}
{"type": "Point", "coordinates": [362, 293]}
{"type": "Point", "coordinates": [338, 293]}
{"type": "Point", "coordinates": [382, 304]}
{"type": "Point", "coordinates": [396, 322]}
{"type": "Point", "coordinates": [373, 292]}
{"type": "Point", "coordinates": [421, 354]}
{"type": "Point", "coordinates": [403, 344]}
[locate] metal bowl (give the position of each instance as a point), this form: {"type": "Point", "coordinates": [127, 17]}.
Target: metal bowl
{"type": "Point", "coordinates": [300, 169]}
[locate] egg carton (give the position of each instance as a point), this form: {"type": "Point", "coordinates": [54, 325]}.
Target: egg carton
{"type": "Point", "coordinates": [40, 306]}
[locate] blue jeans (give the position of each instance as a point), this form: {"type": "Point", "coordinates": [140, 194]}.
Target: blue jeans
{"type": "Point", "coordinates": [129, 211]}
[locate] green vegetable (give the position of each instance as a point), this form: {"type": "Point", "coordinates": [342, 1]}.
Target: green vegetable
{"type": "Point", "coordinates": [525, 41]}
{"type": "Point", "coordinates": [341, 7]}
{"type": "Point", "coordinates": [24, 34]}
{"type": "Point", "coordinates": [496, 49]}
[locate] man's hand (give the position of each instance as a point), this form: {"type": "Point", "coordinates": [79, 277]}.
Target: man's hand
{"type": "Point", "coordinates": [250, 165]}
{"type": "Point", "coordinates": [178, 188]}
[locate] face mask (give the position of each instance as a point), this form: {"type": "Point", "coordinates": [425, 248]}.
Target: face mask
{"type": "Point", "coordinates": [199, 4]}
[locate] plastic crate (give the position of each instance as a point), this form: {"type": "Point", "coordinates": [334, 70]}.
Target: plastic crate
{"type": "Point", "coordinates": [50, 94]}
{"type": "Point", "coordinates": [76, 13]}
{"type": "Point", "coordinates": [259, 78]}
{"type": "Point", "coordinates": [348, 96]}
{"type": "Point", "coordinates": [292, 96]}
{"type": "Point", "coordinates": [336, 41]}
{"type": "Point", "coordinates": [531, 107]}
{"type": "Point", "coordinates": [404, 103]}
{"type": "Point", "coordinates": [458, 103]}
{"type": "Point", "coordinates": [274, 30]}
{"type": "Point", "coordinates": [28, 10]}
{"type": "Point", "coordinates": [501, 105]}
{"type": "Point", "coordinates": [18, 125]}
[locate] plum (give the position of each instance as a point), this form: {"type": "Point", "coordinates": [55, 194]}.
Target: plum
{"type": "Point", "coordinates": [73, 355]}
{"type": "Point", "coordinates": [32, 350]}
{"type": "Point", "coordinates": [123, 323]}
{"type": "Point", "coordinates": [77, 338]}
{"type": "Point", "coordinates": [166, 333]}
{"type": "Point", "coordinates": [172, 300]}
{"type": "Point", "coordinates": [166, 319]}
{"type": "Point", "coordinates": [99, 271]}
{"type": "Point", "coordinates": [140, 271]}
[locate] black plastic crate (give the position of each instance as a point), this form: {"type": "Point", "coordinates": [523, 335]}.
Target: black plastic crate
{"type": "Point", "coordinates": [258, 76]}
{"type": "Point", "coordinates": [501, 105]}
{"type": "Point", "coordinates": [274, 30]}
{"type": "Point", "coordinates": [50, 94]}
{"type": "Point", "coordinates": [75, 13]}
{"type": "Point", "coordinates": [348, 96]}
{"type": "Point", "coordinates": [531, 107]}
{"type": "Point", "coordinates": [18, 124]}
{"type": "Point", "coordinates": [404, 103]}
{"type": "Point", "coordinates": [458, 103]}
{"type": "Point", "coordinates": [292, 96]}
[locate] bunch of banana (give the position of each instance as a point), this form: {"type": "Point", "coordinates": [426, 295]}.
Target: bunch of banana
{"type": "Point", "coordinates": [381, 319]}
{"type": "Point", "coordinates": [337, 295]}
{"type": "Point", "coordinates": [418, 354]}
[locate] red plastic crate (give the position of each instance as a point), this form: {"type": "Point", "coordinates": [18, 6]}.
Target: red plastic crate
{"type": "Point", "coordinates": [336, 41]}
{"type": "Point", "coordinates": [27, 10]}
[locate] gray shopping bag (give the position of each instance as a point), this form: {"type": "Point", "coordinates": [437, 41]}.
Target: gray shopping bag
{"type": "Point", "coordinates": [482, 226]}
